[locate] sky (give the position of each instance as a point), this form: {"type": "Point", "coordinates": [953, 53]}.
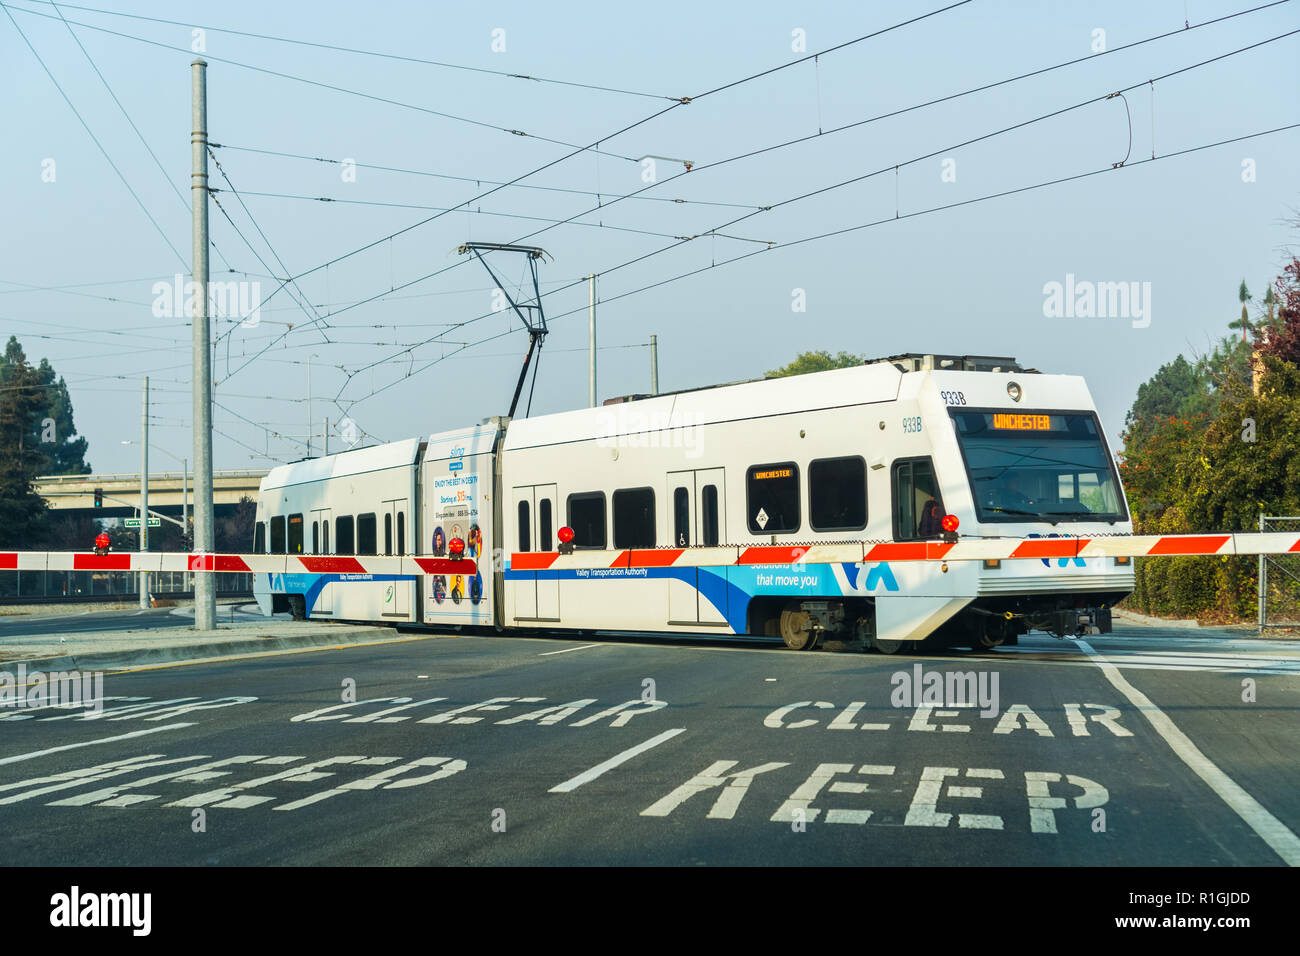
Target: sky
{"type": "Point", "coordinates": [387, 332]}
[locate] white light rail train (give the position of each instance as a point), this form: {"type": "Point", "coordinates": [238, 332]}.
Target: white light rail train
{"type": "Point", "coordinates": [776, 508]}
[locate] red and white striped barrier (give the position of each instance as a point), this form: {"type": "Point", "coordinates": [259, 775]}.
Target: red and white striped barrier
{"type": "Point", "coordinates": [256, 563]}
{"type": "Point", "coordinates": [964, 549]}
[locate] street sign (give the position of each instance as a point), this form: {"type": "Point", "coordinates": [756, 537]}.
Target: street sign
{"type": "Point", "coordinates": [135, 522]}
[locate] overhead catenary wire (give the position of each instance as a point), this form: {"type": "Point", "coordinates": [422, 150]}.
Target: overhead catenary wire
{"type": "Point", "coordinates": [373, 53]}
{"type": "Point", "coordinates": [127, 116]}
{"type": "Point", "coordinates": [89, 132]}
{"type": "Point", "coordinates": [841, 232]}
{"type": "Point", "coordinates": [318, 83]}
{"type": "Point", "coordinates": [306, 303]}
{"type": "Point", "coordinates": [865, 176]}
{"type": "Point", "coordinates": [477, 212]}
{"type": "Point", "coordinates": [787, 143]}
{"type": "Point", "coordinates": [477, 180]}
{"type": "Point", "coordinates": [876, 33]}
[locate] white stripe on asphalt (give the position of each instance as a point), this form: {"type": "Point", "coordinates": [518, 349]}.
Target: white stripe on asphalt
{"type": "Point", "coordinates": [1269, 828]}
{"type": "Point", "coordinates": [88, 743]}
{"type": "Point", "coordinates": [612, 762]}
{"type": "Point", "coordinates": [567, 649]}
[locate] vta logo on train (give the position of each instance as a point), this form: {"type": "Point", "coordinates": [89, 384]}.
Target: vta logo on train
{"type": "Point", "coordinates": [1060, 562]}
{"type": "Point", "coordinates": [877, 575]}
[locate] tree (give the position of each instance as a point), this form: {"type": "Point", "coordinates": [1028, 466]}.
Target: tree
{"type": "Point", "coordinates": [1178, 390]}
{"type": "Point", "coordinates": [1283, 339]}
{"type": "Point", "coordinates": [234, 533]}
{"type": "Point", "coordinates": [50, 430]}
{"type": "Point", "coordinates": [1243, 323]}
{"type": "Point", "coordinates": [806, 362]}
{"type": "Point", "coordinates": [22, 511]}
{"type": "Point", "coordinates": [1220, 469]}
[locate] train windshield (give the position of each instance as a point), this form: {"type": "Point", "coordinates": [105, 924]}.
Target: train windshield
{"type": "Point", "coordinates": [1035, 466]}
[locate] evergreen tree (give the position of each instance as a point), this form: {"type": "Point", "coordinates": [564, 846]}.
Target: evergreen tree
{"type": "Point", "coordinates": [51, 430]}
{"type": "Point", "coordinates": [22, 511]}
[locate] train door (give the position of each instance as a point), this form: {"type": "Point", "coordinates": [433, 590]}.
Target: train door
{"type": "Point", "coordinates": [321, 538]}
{"type": "Point", "coordinates": [697, 518]}
{"type": "Point", "coordinates": [537, 593]}
{"type": "Point", "coordinates": [394, 544]}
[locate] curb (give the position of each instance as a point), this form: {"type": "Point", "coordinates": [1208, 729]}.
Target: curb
{"type": "Point", "coordinates": [1154, 621]}
{"type": "Point", "coordinates": [186, 652]}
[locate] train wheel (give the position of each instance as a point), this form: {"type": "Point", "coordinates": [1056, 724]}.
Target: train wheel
{"type": "Point", "coordinates": [888, 647]}
{"type": "Point", "coordinates": [796, 629]}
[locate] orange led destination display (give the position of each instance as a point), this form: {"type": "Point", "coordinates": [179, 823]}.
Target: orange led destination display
{"type": "Point", "coordinates": [775, 473]}
{"type": "Point", "coordinates": [1024, 423]}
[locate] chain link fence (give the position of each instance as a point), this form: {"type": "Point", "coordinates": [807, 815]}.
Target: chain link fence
{"type": "Point", "coordinates": [1279, 578]}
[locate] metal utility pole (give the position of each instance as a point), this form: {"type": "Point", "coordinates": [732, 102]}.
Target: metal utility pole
{"type": "Point", "coordinates": [591, 337]}
{"type": "Point", "coordinates": [654, 365]}
{"type": "Point", "coordinates": [309, 358]}
{"type": "Point", "coordinates": [144, 488]}
{"type": "Point", "coordinates": [185, 497]}
{"type": "Point", "coordinates": [205, 585]}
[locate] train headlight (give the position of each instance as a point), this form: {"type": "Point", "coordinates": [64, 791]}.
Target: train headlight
{"type": "Point", "coordinates": [1013, 389]}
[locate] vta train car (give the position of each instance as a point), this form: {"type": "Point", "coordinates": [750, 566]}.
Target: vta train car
{"type": "Point", "coordinates": [737, 509]}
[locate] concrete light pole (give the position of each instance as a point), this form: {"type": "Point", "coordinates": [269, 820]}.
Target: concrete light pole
{"type": "Point", "coordinates": [205, 586]}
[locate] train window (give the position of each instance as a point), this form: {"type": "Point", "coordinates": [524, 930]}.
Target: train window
{"type": "Point", "coordinates": [544, 525]}
{"type": "Point", "coordinates": [772, 493]}
{"type": "Point", "coordinates": [401, 533]}
{"type": "Point", "coordinates": [259, 538]}
{"type": "Point", "coordinates": [918, 506]}
{"type": "Point", "coordinates": [325, 536]}
{"type": "Point", "coordinates": [837, 494]}
{"type": "Point", "coordinates": [681, 517]}
{"type": "Point", "coordinates": [315, 537]}
{"type": "Point", "coordinates": [277, 534]}
{"type": "Point", "coordinates": [388, 534]}
{"type": "Point", "coordinates": [295, 534]}
{"type": "Point", "coordinates": [524, 543]}
{"type": "Point", "coordinates": [587, 519]}
{"type": "Point", "coordinates": [709, 515]}
{"type": "Point", "coordinates": [634, 518]}
{"type": "Point", "coordinates": [343, 543]}
{"type": "Point", "coordinates": [367, 542]}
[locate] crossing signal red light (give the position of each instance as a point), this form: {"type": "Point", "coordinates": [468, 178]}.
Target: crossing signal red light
{"type": "Point", "coordinates": [565, 534]}
{"type": "Point", "coordinates": [949, 523]}
{"type": "Point", "coordinates": [456, 547]}
{"type": "Point", "coordinates": [102, 542]}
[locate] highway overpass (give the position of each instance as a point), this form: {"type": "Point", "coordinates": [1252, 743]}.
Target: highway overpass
{"type": "Point", "coordinates": [122, 491]}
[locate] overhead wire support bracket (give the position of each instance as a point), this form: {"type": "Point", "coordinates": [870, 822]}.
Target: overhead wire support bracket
{"type": "Point", "coordinates": [529, 312]}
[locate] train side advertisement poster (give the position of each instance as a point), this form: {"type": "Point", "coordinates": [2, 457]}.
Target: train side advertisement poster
{"type": "Point", "coordinates": [457, 502]}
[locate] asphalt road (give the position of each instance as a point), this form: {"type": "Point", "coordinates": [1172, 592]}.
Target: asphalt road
{"type": "Point", "coordinates": [1148, 747]}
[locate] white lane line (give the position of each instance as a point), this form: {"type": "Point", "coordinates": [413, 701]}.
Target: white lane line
{"type": "Point", "coordinates": [1269, 828]}
{"type": "Point", "coordinates": [88, 743]}
{"type": "Point", "coordinates": [600, 768]}
{"type": "Point", "coordinates": [567, 649]}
